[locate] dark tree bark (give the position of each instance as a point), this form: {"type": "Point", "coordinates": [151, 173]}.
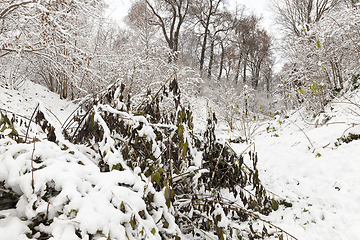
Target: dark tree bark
{"type": "Point", "coordinates": [211, 59]}
{"type": "Point", "coordinates": [222, 59]}
{"type": "Point", "coordinates": [170, 26]}
{"type": "Point", "coordinates": [204, 14]}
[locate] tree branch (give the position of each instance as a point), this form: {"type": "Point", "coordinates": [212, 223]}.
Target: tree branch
{"type": "Point", "coordinates": [12, 8]}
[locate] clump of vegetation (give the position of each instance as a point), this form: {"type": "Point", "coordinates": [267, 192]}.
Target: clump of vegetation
{"type": "Point", "coordinates": [207, 189]}
{"type": "Point", "coordinates": [347, 139]}
{"type": "Point", "coordinates": [193, 170]}
{"type": "Point", "coordinates": [355, 81]}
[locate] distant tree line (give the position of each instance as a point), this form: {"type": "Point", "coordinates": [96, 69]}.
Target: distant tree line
{"type": "Point", "coordinates": [223, 44]}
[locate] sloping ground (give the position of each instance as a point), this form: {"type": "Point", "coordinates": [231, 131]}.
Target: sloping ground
{"type": "Point", "coordinates": [310, 168]}
{"type": "Point", "coordinates": [67, 196]}
{"type": "Point", "coordinates": [321, 179]}
{"type": "Point", "coordinates": [24, 101]}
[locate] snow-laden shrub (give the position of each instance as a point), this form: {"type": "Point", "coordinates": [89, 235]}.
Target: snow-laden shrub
{"type": "Point", "coordinates": [111, 172]}
{"type": "Point", "coordinates": [323, 61]}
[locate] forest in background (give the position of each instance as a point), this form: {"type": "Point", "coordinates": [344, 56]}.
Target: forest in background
{"type": "Point", "coordinates": [222, 54]}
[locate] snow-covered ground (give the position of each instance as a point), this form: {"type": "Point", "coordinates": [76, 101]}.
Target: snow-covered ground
{"type": "Point", "coordinates": [324, 189]}
{"type": "Point", "coordinates": [24, 101]}
{"type": "Point", "coordinates": [298, 162]}
{"type": "Point", "coordinates": [320, 179]}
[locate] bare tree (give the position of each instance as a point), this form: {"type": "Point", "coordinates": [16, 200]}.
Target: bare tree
{"type": "Point", "coordinates": [297, 15]}
{"type": "Point", "coordinates": [246, 34]}
{"type": "Point", "coordinates": [169, 15]}
{"type": "Point", "coordinates": [204, 12]}
{"type": "Point", "coordinates": [218, 32]}
{"type": "Point", "coordinates": [260, 50]}
{"type": "Point", "coordinates": [139, 18]}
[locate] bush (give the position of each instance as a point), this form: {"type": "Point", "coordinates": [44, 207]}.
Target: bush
{"type": "Point", "coordinates": [143, 169]}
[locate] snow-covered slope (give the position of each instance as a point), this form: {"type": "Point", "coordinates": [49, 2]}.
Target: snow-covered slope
{"type": "Point", "coordinates": [24, 101]}
{"type": "Point", "coordinates": [303, 163]}
{"type": "Point", "coordinates": [61, 193]}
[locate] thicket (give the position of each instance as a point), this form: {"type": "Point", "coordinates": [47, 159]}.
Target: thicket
{"type": "Point", "coordinates": [188, 185]}
{"type": "Point", "coordinates": [227, 61]}
{"type": "Point", "coordinates": [323, 60]}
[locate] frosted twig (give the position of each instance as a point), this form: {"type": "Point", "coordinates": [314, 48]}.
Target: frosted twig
{"type": "Point", "coordinates": [28, 127]}
{"type": "Point", "coordinates": [32, 167]}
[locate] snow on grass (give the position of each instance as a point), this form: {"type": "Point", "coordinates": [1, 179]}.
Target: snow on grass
{"type": "Point", "coordinates": [304, 164]}
{"type": "Point", "coordinates": [320, 179]}
{"type": "Point", "coordinates": [88, 199]}
{"type": "Point", "coordinates": [63, 194]}
{"type": "Point", "coordinates": [24, 101]}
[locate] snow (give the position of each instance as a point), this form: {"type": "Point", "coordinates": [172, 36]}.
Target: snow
{"type": "Point", "coordinates": [12, 228]}
{"type": "Point", "coordinates": [24, 101]}
{"type": "Point", "coordinates": [88, 199]}
{"type": "Point", "coordinates": [298, 162]}
{"type": "Point", "coordinates": [322, 188]}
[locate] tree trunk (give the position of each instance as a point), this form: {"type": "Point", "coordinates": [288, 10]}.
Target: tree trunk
{"type": "Point", "coordinates": [203, 47]}
{"type": "Point", "coordinates": [238, 70]}
{"type": "Point", "coordinates": [221, 61]}
{"type": "Point", "coordinates": [211, 60]}
{"type": "Point", "coordinates": [244, 81]}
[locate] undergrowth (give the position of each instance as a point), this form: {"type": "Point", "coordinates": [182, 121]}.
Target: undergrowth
{"type": "Point", "coordinates": [208, 191]}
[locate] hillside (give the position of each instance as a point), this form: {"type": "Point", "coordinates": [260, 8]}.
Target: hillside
{"type": "Point", "coordinates": [304, 164]}
{"type": "Point", "coordinates": [319, 178]}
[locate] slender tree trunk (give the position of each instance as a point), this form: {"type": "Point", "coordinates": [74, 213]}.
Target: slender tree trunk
{"type": "Point", "coordinates": [338, 67]}
{"type": "Point", "coordinates": [244, 81]}
{"type": "Point", "coordinates": [179, 13]}
{"type": "Point", "coordinates": [238, 70]}
{"type": "Point", "coordinates": [267, 86]}
{"type": "Point", "coordinates": [211, 60]}
{"type": "Point", "coordinates": [206, 32]}
{"type": "Point", "coordinates": [221, 61]}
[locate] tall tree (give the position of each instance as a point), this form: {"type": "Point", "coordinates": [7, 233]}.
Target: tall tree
{"type": "Point", "coordinates": [205, 11]}
{"type": "Point", "coordinates": [139, 18]}
{"type": "Point", "coordinates": [260, 50]}
{"type": "Point", "coordinates": [218, 32]}
{"type": "Point", "coordinates": [170, 15]}
{"type": "Point", "coordinates": [246, 33]}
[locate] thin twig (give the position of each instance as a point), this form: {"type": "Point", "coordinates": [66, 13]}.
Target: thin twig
{"type": "Point", "coordinates": [303, 132]}
{"type": "Point", "coordinates": [357, 49]}
{"type": "Point", "coordinates": [342, 135]}
{"type": "Point", "coordinates": [54, 115]}
{"type": "Point", "coordinates": [47, 211]}
{"type": "Point", "coordinates": [14, 113]}
{"type": "Point", "coordinates": [318, 124]}
{"type": "Point", "coordinates": [196, 226]}
{"type": "Point", "coordinates": [28, 127]}
{"type": "Point", "coordinates": [32, 167]}
{"type": "Point", "coordinates": [231, 203]}
{"type": "Point", "coordinates": [234, 206]}
{"type": "Point", "coordinates": [81, 121]}
{"type": "Point", "coordinates": [155, 96]}
{"type": "Point", "coordinates": [241, 153]}
{"type": "Point", "coordinates": [72, 113]}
